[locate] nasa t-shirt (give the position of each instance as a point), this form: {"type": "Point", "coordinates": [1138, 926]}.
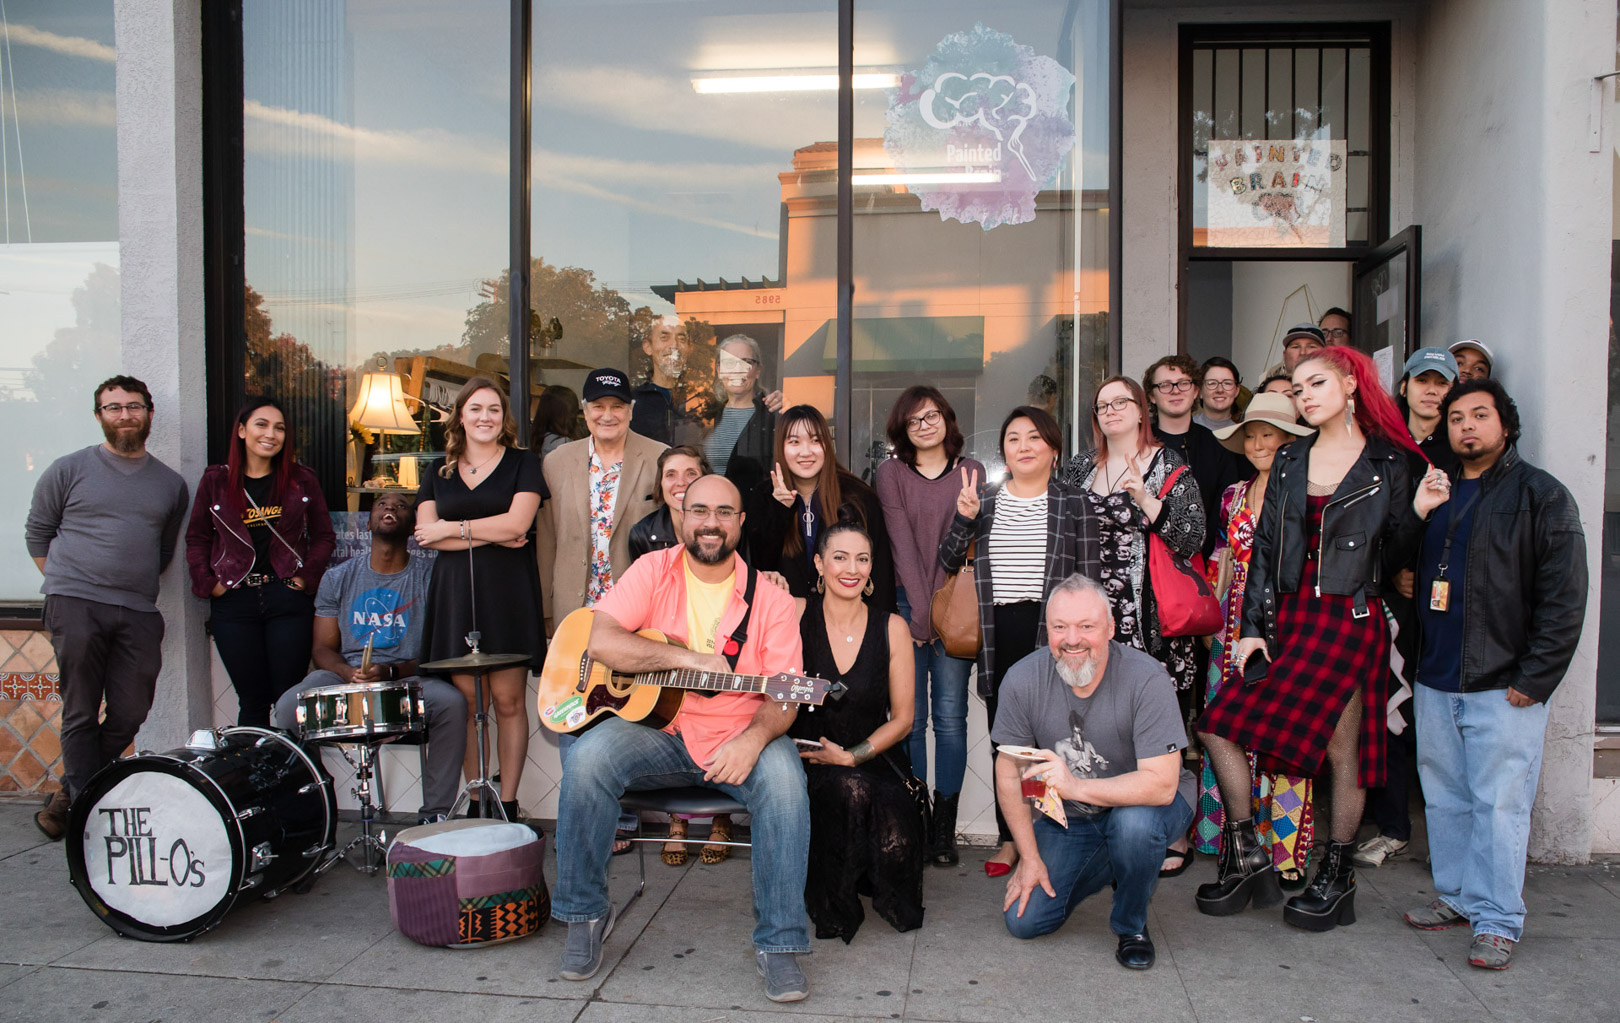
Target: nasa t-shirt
{"type": "Point", "coordinates": [1132, 715]}
{"type": "Point", "coordinates": [387, 609]}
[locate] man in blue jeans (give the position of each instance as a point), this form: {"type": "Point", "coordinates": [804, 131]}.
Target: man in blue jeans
{"type": "Point", "coordinates": [696, 595]}
{"type": "Point", "coordinates": [1501, 594]}
{"type": "Point", "coordinates": [1110, 734]}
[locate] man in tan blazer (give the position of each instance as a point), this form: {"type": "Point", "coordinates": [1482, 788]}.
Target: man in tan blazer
{"type": "Point", "coordinates": [600, 487]}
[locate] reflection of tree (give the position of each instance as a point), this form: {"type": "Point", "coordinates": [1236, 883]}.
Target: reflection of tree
{"type": "Point", "coordinates": [66, 370]}
{"type": "Point", "coordinates": [314, 393]}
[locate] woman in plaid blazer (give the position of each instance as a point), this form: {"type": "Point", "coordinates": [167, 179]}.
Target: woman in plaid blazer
{"type": "Point", "coordinates": [1029, 532]}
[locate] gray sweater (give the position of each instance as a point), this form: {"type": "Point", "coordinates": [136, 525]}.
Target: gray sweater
{"type": "Point", "coordinates": [917, 512]}
{"type": "Point", "coordinates": [106, 526]}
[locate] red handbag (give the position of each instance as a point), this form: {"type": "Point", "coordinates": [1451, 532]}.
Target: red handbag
{"type": "Point", "coordinates": [1185, 602]}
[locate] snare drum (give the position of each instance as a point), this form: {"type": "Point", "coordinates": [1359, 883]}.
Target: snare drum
{"type": "Point", "coordinates": [162, 845]}
{"type": "Point", "coordinates": [356, 712]}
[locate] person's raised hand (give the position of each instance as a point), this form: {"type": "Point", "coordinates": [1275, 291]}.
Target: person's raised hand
{"type": "Point", "coordinates": [967, 501]}
{"type": "Point", "coordinates": [779, 488]}
{"type": "Point", "coordinates": [1433, 491]}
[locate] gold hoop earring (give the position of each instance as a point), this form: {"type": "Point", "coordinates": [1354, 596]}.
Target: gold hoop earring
{"type": "Point", "coordinates": [818, 585]}
{"type": "Point", "coordinates": [868, 589]}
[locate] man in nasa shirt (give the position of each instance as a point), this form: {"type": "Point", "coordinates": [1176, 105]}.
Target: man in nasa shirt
{"type": "Point", "coordinates": [382, 598]}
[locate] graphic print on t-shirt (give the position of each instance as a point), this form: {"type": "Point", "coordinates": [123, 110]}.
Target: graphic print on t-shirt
{"type": "Point", "coordinates": [380, 615]}
{"type": "Point", "coordinates": [1081, 757]}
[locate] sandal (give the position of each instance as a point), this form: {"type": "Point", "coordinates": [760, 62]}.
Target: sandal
{"type": "Point", "coordinates": [720, 831]}
{"type": "Point", "coordinates": [1184, 858]}
{"type": "Point", "coordinates": [674, 853]}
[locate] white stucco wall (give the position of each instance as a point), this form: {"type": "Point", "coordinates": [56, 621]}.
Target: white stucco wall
{"type": "Point", "coordinates": [159, 103]}
{"type": "Point", "coordinates": [1516, 215]}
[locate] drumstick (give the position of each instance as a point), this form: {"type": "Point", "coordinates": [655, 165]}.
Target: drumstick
{"type": "Point", "coordinates": [365, 656]}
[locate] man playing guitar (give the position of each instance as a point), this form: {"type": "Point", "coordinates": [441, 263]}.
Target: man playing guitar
{"type": "Point", "coordinates": [733, 742]}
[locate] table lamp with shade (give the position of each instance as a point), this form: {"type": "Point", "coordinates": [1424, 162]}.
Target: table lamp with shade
{"type": "Point", "coordinates": [379, 408]}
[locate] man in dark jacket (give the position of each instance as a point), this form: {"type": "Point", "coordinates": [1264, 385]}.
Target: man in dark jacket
{"type": "Point", "coordinates": [660, 402]}
{"type": "Point", "coordinates": [1501, 595]}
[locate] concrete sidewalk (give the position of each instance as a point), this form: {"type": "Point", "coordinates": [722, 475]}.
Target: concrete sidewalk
{"type": "Point", "coordinates": [682, 956]}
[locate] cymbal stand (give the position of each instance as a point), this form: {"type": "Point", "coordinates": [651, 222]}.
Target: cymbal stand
{"type": "Point", "coordinates": [479, 788]}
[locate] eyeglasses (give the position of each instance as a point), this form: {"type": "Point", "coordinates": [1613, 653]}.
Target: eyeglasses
{"type": "Point", "coordinates": [928, 418]}
{"type": "Point", "coordinates": [725, 515]}
{"type": "Point", "coordinates": [1174, 386]}
{"type": "Point", "coordinates": [1118, 405]}
{"type": "Point", "coordinates": [1221, 385]}
{"type": "Point", "coordinates": [1336, 333]}
{"type": "Point", "coordinates": [134, 408]}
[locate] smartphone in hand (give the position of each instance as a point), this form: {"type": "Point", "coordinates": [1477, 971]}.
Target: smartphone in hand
{"type": "Point", "coordinates": [1256, 670]}
{"type": "Point", "coordinates": [807, 744]}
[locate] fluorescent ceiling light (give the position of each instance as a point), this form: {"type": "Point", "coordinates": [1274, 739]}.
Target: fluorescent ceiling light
{"type": "Point", "coordinates": [930, 178]}
{"type": "Point", "coordinates": [791, 83]}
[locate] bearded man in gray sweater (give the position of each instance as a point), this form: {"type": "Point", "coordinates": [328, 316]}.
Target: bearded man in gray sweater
{"type": "Point", "coordinates": [103, 525]}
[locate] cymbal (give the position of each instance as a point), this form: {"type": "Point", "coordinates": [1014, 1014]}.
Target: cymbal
{"type": "Point", "coordinates": [475, 661]}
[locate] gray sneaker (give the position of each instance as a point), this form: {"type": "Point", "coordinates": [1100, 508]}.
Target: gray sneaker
{"type": "Point", "coordinates": [1490, 952]}
{"type": "Point", "coordinates": [582, 955]}
{"type": "Point", "coordinates": [1374, 851]}
{"type": "Point", "coordinates": [784, 981]}
{"type": "Point", "coordinates": [1436, 916]}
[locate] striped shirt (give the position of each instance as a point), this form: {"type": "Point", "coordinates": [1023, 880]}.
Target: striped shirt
{"type": "Point", "coordinates": [723, 439]}
{"type": "Point", "coordinates": [1017, 546]}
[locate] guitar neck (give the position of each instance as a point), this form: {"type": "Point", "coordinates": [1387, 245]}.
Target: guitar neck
{"type": "Point", "coordinates": [712, 681]}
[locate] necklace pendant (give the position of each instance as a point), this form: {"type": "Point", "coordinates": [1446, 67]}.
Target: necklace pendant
{"type": "Point", "coordinates": [849, 639]}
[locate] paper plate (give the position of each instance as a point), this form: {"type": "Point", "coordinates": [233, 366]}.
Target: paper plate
{"type": "Point", "coordinates": [1022, 752]}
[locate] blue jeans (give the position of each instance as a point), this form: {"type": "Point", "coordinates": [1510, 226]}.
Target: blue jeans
{"type": "Point", "coordinates": [628, 822]}
{"type": "Point", "coordinates": [948, 705]}
{"type": "Point", "coordinates": [1479, 758]}
{"type": "Point", "coordinates": [1123, 845]}
{"type": "Point", "coordinates": [617, 756]}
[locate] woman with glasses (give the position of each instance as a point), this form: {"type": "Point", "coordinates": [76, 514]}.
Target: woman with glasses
{"type": "Point", "coordinates": [807, 491]}
{"type": "Point", "coordinates": [918, 488]}
{"type": "Point", "coordinates": [1219, 394]}
{"type": "Point", "coordinates": [1139, 487]}
{"type": "Point", "coordinates": [742, 427]}
{"type": "Point", "coordinates": [1028, 533]}
{"type": "Point", "coordinates": [257, 546]}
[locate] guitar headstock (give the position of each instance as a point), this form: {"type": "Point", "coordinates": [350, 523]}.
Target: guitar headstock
{"type": "Point", "coordinates": [784, 687]}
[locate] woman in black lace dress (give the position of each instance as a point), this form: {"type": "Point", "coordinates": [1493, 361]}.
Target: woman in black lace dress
{"type": "Point", "coordinates": [866, 832]}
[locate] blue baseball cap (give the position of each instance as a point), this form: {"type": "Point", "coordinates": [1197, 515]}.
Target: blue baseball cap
{"type": "Point", "coordinates": [1435, 358]}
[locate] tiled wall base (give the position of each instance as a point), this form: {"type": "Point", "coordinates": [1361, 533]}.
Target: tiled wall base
{"type": "Point", "coordinates": [30, 745]}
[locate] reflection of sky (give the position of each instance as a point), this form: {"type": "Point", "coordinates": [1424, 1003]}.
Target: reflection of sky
{"type": "Point", "coordinates": [402, 210]}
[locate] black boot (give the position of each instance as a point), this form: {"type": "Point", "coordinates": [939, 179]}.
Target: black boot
{"type": "Point", "coordinates": [1330, 899]}
{"type": "Point", "coordinates": [510, 807]}
{"type": "Point", "coordinates": [942, 831]}
{"type": "Point", "coordinates": [1243, 874]}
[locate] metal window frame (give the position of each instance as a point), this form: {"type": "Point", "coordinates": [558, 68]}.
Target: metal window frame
{"type": "Point", "coordinates": [224, 204]}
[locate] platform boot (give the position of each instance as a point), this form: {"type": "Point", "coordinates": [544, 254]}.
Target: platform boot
{"type": "Point", "coordinates": [1244, 873]}
{"type": "Point", "coordinates": [1330, 899]}
{"type": "Point", "coordinates": [942, 830]}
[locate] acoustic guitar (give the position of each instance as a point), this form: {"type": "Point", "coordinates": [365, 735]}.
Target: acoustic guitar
{"type": "Point", "coordinates": [576, 691]}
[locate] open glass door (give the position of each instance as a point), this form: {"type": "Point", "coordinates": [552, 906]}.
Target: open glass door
{"type": "Point", "coordinates": [1387, 294]}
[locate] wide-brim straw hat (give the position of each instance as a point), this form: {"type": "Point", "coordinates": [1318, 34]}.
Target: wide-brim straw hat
{"type": "Point", "coordinates": [1270, 408]}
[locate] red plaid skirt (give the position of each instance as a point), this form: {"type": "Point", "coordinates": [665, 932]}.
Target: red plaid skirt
{"type": "Point", "coordinates": [1326, 654]}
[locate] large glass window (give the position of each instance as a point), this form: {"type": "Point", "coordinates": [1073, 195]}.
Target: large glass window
{"type": "Point", "coordinates": [375, 201]}
{"type": "Point", "coordinates": [59, 296]}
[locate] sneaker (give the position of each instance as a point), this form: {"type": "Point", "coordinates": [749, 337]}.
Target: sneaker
{"type": "Point", "coordinates": [1374, 851]}
{"type": "Point", "coordinates": [582, 955]}
{"type": "Point", "coordinates": [784, 981]}
{"type": "Point", "coordinates": [431, 818]}
{"type": "Point", "coordinates": [1436, 916]}
{"type": "Point", "coordinates": [1490, 952]}
{"type": "Point", "coordinates": [52, 820]}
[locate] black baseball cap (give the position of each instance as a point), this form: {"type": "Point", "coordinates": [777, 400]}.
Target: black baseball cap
{"type": "Point", "coordinates": [607, 383]}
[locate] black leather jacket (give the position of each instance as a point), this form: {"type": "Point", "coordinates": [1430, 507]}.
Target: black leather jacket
{"type": "Point", "coordinates": [1524, 594]}
{"type": "Point", "coordinates": [654, 532]}
{"type": "Point", "coordinates": [1368, 527]}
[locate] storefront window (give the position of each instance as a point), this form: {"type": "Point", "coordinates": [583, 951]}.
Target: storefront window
{"type": "Point", "coordinates": [981, 206]}
{"type": "Point", "coordinates": [375, 195]}
{"type": "Point", "coordinates": [59, 299]}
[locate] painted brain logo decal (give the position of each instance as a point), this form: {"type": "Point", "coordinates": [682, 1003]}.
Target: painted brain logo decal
{"type": "Point", "coordinates": [985, 123]}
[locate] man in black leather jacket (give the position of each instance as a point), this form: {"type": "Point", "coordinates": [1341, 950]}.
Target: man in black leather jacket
{"type": "Point", "coordinates": [1501, 594]}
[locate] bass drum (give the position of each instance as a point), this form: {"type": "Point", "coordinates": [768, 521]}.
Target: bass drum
{"type": "Point", "coordinates": [162, 845]}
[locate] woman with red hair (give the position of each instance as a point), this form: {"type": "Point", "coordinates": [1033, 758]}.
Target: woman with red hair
{"type": "Point", "coordinates": [1314, 646]}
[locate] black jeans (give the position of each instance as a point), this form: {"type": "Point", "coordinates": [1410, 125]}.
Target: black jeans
{"type": "Point", "coordinates": [1016, 627]}
{"type": "Point", "coordinates": [103, 652]}
{"type": "Point", "coordinates": [264, 635]}
{"type": "Point", "coordinates": [1391, 805]}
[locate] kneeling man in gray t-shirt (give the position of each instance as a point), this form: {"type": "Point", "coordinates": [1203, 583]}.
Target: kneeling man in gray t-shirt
{"type": "Point", "coordinates": [1106, 718]}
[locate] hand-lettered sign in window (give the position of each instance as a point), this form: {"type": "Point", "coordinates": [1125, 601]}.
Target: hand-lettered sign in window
{"type": "Point", "coordinates": [1276, 193]}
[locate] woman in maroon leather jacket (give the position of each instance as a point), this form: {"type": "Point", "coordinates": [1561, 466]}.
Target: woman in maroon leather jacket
{"type": "Point", "coordinates": [257, 546]}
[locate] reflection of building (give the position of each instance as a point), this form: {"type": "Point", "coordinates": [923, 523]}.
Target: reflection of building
{"type": "Point", "coordinates": [976, 313]}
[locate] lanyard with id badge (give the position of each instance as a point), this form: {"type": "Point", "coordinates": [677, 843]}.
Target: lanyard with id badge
{"type": "Point", "coordinates": [1440, 589]}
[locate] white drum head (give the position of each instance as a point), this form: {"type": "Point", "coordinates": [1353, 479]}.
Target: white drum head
{"type": "Point", "coordinates": [156, 850]}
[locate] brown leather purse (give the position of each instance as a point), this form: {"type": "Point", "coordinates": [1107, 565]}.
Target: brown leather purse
{"type": "Point", "coordinates": [954, 612]}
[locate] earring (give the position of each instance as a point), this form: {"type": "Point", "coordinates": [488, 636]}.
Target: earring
{"type": "Point", "coordinates": [1349, 414]}
{"type": "Point", "coordinates": [867, 591]}
{"type": "Point", "coordinates": [818, 584]}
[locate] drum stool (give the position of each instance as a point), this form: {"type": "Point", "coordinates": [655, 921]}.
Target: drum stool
{"type": "Point", "coordinates": [467, 883]}
{"type": "Point", "coordinates": [692, 800]}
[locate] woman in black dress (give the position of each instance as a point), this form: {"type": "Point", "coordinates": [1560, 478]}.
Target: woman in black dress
{"type": "Point", "coordinates": [484, 496]}
{"type": "Point", "coordinates": [866, 831]}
